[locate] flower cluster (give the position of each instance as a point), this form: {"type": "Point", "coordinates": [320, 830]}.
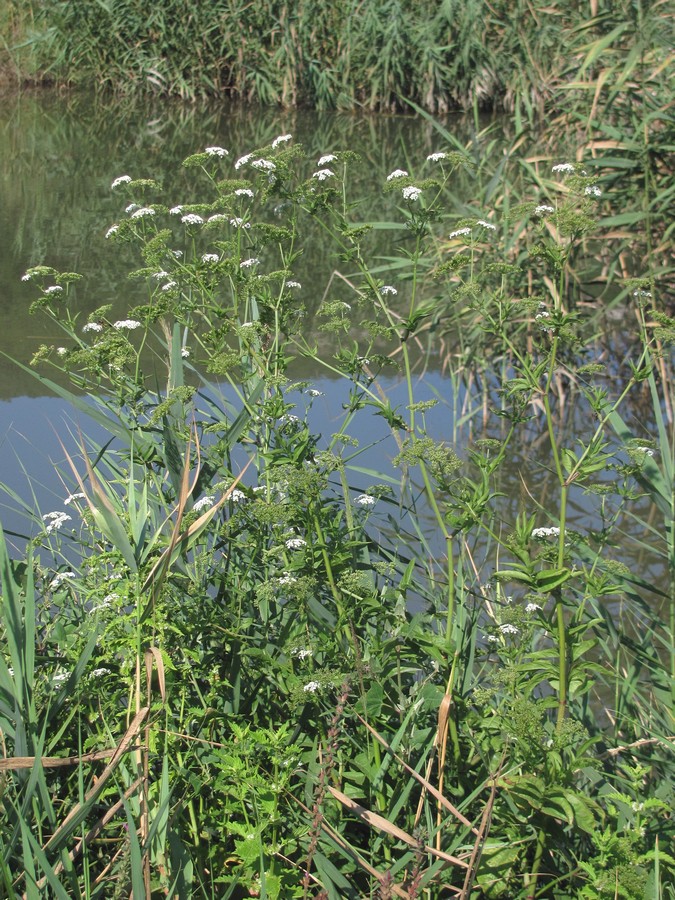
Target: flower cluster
{"type": "Point", "coordinates": [366, 501]}
{"type": "Point", "coordinates": [553, 531]}
{"type": "Point", "coordinates": [55, 520]}
{"type": "Point", "coordinates": [143, 212]}
{"type": "Point", "coordinates": [58, 579]}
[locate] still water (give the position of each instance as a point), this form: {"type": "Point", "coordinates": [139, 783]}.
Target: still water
{"type": "Point", "coordinates": [59, 154]}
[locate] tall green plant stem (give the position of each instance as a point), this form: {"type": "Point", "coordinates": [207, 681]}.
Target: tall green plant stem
{"type": "Point", "coordinates": [536, 863]}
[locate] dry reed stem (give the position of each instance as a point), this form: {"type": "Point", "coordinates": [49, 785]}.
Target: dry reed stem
{"type": "Point", "coordinates": [483, 831]}
{"type": "Point", "coordinates": [54, 762]}
{"type": "Point", "coordinates": [93, 833]}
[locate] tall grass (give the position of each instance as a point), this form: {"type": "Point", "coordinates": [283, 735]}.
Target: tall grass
{"type": "Point", "coordinates": [318, 675]}
{"type": "Point", "coordinates": [359, 53]}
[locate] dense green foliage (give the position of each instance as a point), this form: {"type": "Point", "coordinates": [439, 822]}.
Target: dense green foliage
{"type": "Point", "coordinates": [521, 55]}
{"type": "Point", "coordinates": [326, 678]}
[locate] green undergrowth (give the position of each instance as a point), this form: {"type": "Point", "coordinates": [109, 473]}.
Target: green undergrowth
{"type": "Point", "coordinates": [248, 658]}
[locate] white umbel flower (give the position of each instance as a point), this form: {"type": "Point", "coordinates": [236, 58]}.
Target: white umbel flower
{"type": "Point", "coordinates": [296, 543]}
{"type": "Point", "coordinates": [553, 531]}
{"type": "Point", "coordinates": [366, 501]}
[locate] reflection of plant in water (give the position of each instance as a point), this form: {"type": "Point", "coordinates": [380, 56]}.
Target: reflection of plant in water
{"type": "Point", "coordinates": [336, 677]}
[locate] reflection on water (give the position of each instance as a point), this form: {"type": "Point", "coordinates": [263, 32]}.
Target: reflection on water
{"type": "Point", "coordinates": [60, 153]}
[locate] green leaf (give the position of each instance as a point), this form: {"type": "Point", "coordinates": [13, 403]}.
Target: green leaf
{"type": "Point", "coordinates": [250, 849]}
{"type": "Point", "coordinates": [549, 579]}
{"type": "Point", "coordinates": [583, 815]}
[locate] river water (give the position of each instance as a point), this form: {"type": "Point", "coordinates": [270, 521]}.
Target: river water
{"type": "Point", "coordinates": [59, 153]}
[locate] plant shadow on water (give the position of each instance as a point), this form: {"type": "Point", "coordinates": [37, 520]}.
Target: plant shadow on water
{"type": "Point", "coordinates": [390, 643]}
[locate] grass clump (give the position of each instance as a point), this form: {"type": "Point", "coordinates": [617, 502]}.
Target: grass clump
{"type": "Point", "coordinates": [304, 674]}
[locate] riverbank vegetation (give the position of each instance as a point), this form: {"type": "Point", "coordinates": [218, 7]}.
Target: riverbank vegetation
{"type": "Point", "coordinates": [524, 57]}
{"type": "Point", "coordinates": [245, 658]}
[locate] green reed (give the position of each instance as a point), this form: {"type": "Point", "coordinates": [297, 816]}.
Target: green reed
{"type": "Point", "coordinates": [335, 664]}
{"type": "Point", "coordinates": [472, 55]}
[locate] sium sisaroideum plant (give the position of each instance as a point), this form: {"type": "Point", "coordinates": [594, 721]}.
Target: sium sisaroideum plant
{"type": "Point", "coordinates": [391, 657]}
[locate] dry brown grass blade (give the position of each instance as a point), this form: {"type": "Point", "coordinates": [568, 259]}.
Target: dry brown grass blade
{"type": "Point", "coordinates": [442, 750]}
{"type": "Point", "coordinates": [426, 784]}
{"type": "Point", "coordinates": [153, 653]}
{"type": "Point", "coordinates": [382, 824]}
{"type": "Point", "coordinates": [123, 746]}
{"type": "Point", "coordinates": [350, 851]}
{"type": "Point", "coordinates": [93, 480]}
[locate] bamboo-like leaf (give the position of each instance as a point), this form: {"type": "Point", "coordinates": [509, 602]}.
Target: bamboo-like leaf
{"type": "Point", "coordinates": [105, 517]}
{"type": "Point", "coordinates": [50, 876]}
{"type": "Point", "coordinates": [184, 541]}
